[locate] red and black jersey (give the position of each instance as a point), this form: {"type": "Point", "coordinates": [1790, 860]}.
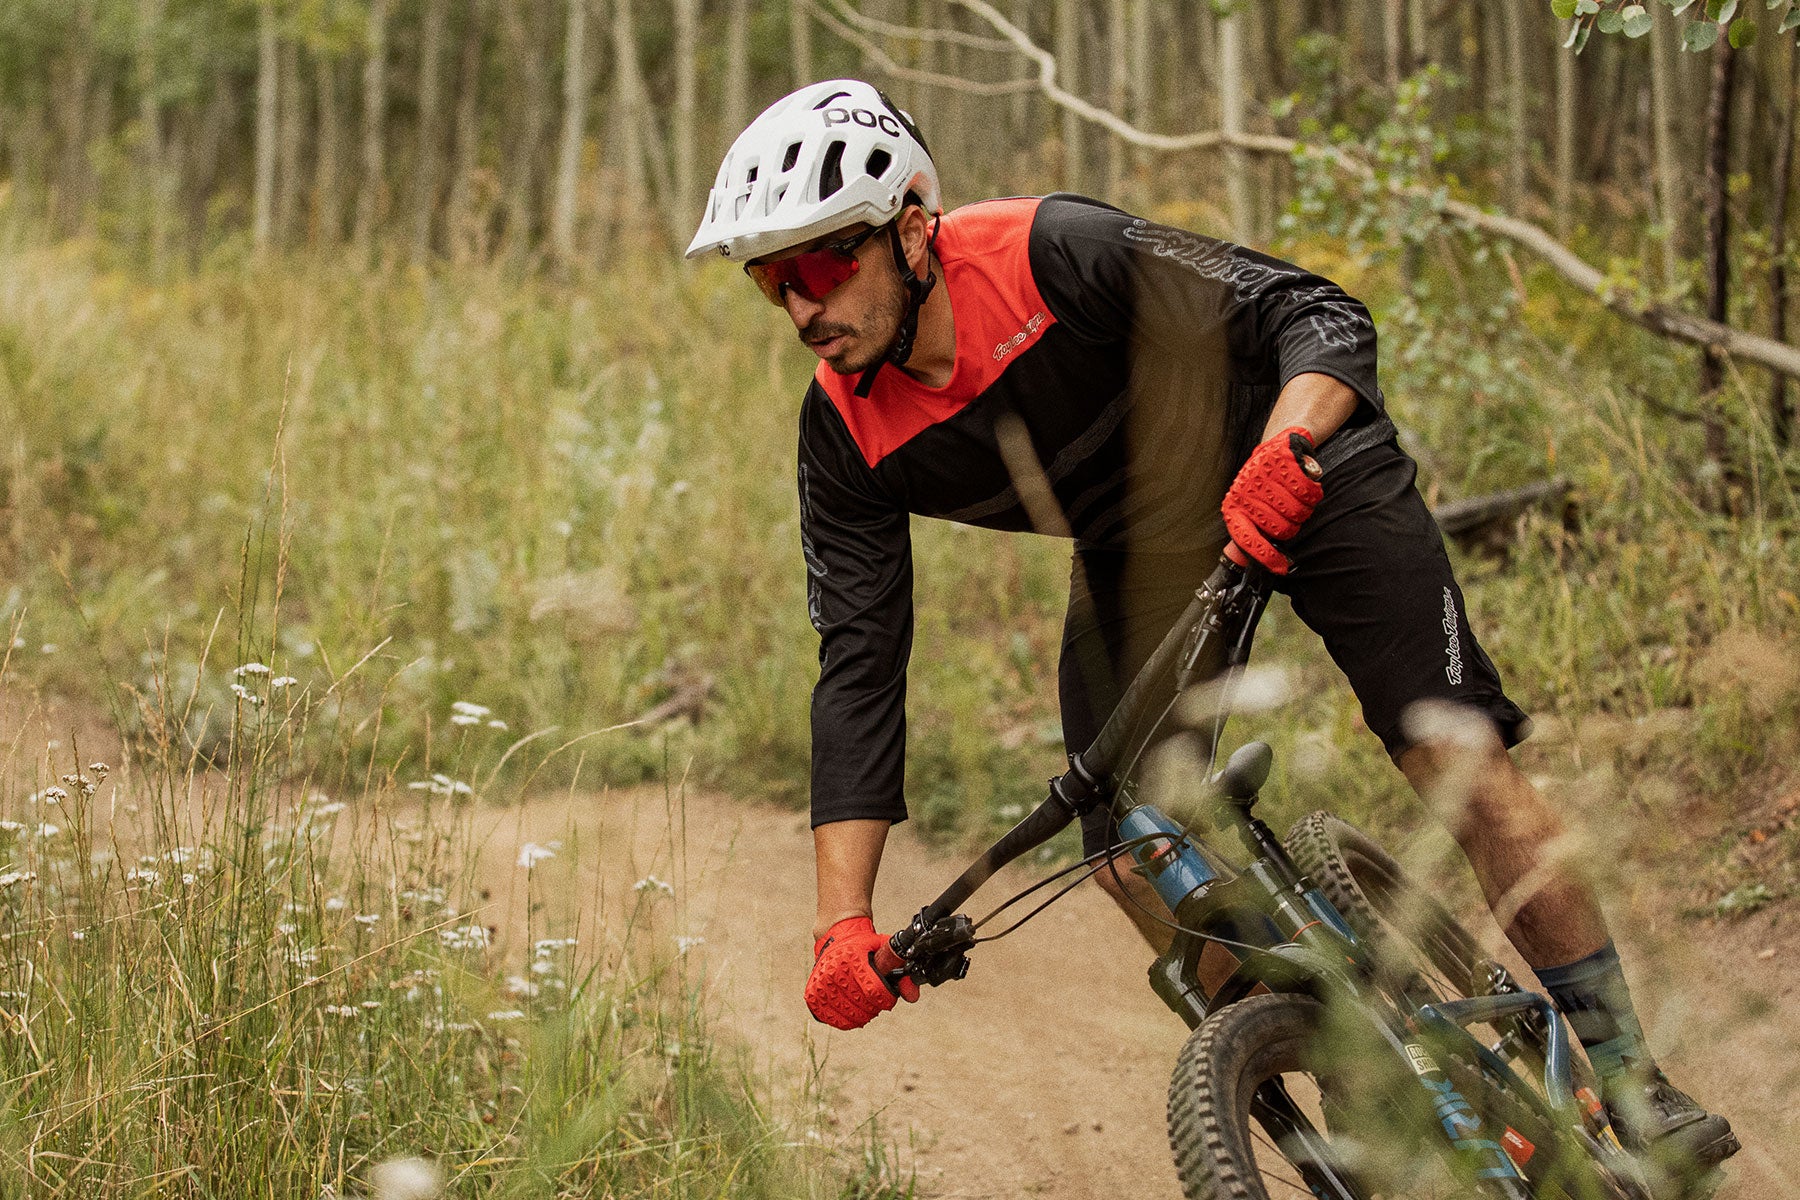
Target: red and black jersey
{"type": "Point", "coordinates": [1134, 362]}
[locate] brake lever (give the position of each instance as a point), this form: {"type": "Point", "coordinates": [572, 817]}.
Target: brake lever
{"type": "Point", "coordinates": [935, 955]}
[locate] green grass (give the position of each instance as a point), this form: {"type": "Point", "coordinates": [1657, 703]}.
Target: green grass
{"type": "Point", "coordinates": [568, 501]}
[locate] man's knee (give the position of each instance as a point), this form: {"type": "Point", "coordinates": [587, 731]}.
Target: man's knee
{"type": "Point", "coordinates": [1458, 762]}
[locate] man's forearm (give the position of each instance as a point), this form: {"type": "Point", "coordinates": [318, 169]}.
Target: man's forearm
{"type": "Point", "coordinates": [1318, 402]}
{"type": "Point", "coordinates": [849, 855]}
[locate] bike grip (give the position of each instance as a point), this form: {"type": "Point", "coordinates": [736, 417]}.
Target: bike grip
{"type": "Point", "coordinates": [1237, 557]}
{"type": "Point", "coordinates": [886, 961]}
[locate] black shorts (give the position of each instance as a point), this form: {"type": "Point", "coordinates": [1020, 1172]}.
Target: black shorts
{"type": "Point", "coordinates": [1370, 578]}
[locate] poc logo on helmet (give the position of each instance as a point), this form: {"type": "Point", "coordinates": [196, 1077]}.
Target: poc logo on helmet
{"type": "Point", "coordinates": [863, 117]}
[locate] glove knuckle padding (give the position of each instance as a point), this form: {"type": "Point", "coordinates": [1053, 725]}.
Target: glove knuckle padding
{"type": "Point", "coordinates": [844, 990]}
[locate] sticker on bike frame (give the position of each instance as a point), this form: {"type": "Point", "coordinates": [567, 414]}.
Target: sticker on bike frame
{"type": "Point", "coordinates": [1518, 1147]}
{"type": "Point", "coordinates": [1422, 1063]}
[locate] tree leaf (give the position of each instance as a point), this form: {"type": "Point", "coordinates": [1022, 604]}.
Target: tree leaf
{"type": "Point", "coordinates": [1562, 10]}
{"type": "Point", "coordinates": [1680, 6]}
{"type": "Point", "coordinates": [1727, 10]}
{"type": "Point", "coordinates": [1610, 21]}
{"type": "Point", "coordinates": [1699, 35]}
{"type": "Point", "coordinates": [1637, 20]}
{"type": "Point", "coordinates": [1586, 7]}
{"type": "Point", "coordinates": [1775, 4]}
{"type": "Point", "coordinates": [1742, 33]}
{"type": "Point", "coordinates": [1790, 21]}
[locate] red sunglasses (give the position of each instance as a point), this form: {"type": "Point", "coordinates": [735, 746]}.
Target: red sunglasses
{"type": "Point", "coordinates": [813, 274]}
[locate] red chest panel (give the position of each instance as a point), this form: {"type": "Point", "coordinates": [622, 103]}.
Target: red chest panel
{"type": "Point", "coordinates": [985, 252]}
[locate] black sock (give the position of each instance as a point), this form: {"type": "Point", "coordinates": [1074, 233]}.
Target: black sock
{"type": "Point", "coordinates": [1591, 992]}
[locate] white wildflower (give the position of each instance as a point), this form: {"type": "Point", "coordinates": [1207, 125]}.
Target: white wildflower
{"type": "Point", "coordinates": [12, 826]}
{"type": "Point", "coordinates": [304, 958]}
{"type": "Point", "coordinates": [80, 783]}
{"type": "Point", "coordinates": [544, 947]}
{"type": "Point", "coordinates": [463, 708]}
{"type": "Point", "coordinates": [244, 694]}
{"type": "Point", "coordinates": [286, 930]}
{"type": "Point", "coordinates": [48, 830]}
{"type": "Point", "coordinates": [250, 668]}
{"type": "Point", "coordinates": [366, 918]}
{"type": "Point", "coordinates": [465, 937]}
{"type": "Point", "coordinates": [543, 966]}
{"type": "Point", "coordinates": [343, 1010]}
{"type": "Point", "coordinates": [506, 1014]}
{"type": "Point", "coordinates": [282, 681]}
{"type": "Point", "coordinates": [78, 935]}
{"type": "Point", "coordinates": [54, 794]}
{"type": "Point", "coordinates": [12, 877]}
{"type": "Point", "coordinates": [464, 719]}
{"type": "Point", "coordinates": [47, 648]}
{"type": "Point", "coordinates": [518, 985]}
{"type": "Point", "coordinates": [179, 854]}
{"type": "Point", "coordinates": [100, 769]}
{"type": "Point", "coordinates": [336, 904]}
{"type": "Point", "coordinates": [442, 785]}
{"type": "Point", "coordinates": [531, 854]}
{"type": "Point", "coordinates": [371, 1005]}
{"type": "Point", "coordinates": [188, 879]}
{"type": "Point", "coordinates": [142, 875]}
{"type": "Point", "coordinates": [497, 724]}
{"type": "Point", "coordinates": [652, 883]}
{"type": "Point", "coordinates": [684, 944]}
{"type": "Point", "coordinates": [331, 808]}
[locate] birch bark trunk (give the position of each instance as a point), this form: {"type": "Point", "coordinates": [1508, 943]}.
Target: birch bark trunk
{"type": "Point", "coordinates": [327, 204]}
{"type": "Point", "coordinates": [268, 78]}
{"type": "Point", "coordinates": [288, 185]}
{"type": "Point", "coordinates": [1068, 56]}
{"type": "Point", "coordinates": [464, 234]}
{"type": "Point", "coordinates": [574, 124]}
{"type": "Point", "coordinates": [682, 133]}
{"type": "Point", "coordinates": [370, 185]}
{"type": "Point", "coordinates": [737, 67]}
{"type": "Point", "coordinates": [1231, 122]}
{"type": "Point", "coordinates": [428, 157]}
{"type": "Point", "coordinates": [1670, 208]}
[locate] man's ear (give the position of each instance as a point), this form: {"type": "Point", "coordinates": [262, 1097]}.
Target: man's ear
{"type": "Point", "coordinates": [915, 238]}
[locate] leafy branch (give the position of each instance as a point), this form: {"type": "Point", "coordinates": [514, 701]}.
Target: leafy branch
{"type": "Point", "coordinates": [1633, 19]}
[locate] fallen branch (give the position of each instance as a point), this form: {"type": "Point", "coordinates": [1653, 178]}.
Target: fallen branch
{"type": "Point", "coordinates": [830, 18]}
{"type": "Point", "coordinates": [1470, 519]}
{"type": "Point", "coordinates": [1660, 319]}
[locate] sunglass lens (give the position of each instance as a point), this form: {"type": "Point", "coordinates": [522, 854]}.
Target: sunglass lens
{"type": "Point", "coordinates": [771, 277]}
{"type": "Point", "coordinates": [822, 270]}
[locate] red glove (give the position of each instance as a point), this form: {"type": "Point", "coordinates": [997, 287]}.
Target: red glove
{"type": "Point", "coordinates": [1273, 494]}
{"type": "Point", "coordinates": [845, 990]}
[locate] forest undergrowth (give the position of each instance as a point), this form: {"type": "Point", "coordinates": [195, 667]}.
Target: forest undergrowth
{"type": "Point", "coordinates": [574, 500]}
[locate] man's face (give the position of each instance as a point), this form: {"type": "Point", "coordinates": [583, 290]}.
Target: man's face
{"type": "Point", "coordinates": [853, 326]}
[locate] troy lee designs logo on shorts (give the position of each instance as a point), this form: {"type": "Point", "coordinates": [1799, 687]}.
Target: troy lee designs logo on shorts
{"type": "Point", "coordinates": [1018, 339]}
{"type": "Point", "coordinates": [1452, 670]}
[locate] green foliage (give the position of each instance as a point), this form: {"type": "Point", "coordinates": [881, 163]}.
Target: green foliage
{"type": "Point", "coordinates": [1633, 19]}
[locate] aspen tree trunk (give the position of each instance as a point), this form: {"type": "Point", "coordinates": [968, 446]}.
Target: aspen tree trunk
{"type": "Point", "coordinates": [71, 81]}
{"type": "Point", "coordinates": [152, 170]}
{"type": "Point", "coordinates": [1567, 104]}
{"type": "Point", "coordinates": [1117, 94]}
{"type": "Point", "coordinates": [374, 126]}
{"type": "Point", "coordinates": [1143, 97]}
{"type": "Point", "coordinates": [1519, 135]}
{"type": "Point", "coordinates": [327, 204]}
{"type": "Point", "coordinates": [1068, 56]}
{"type": "Point", "coordinates": [288, 186]}
{"type": "Point", "coordinates": [1418, 36]}
{"type": "Point", "coordinates": [428, 158]}
{"type": "Point", "coordinates": [1669, 206]}
{"type": "Point", "coordinates": [525, 37]}
{"type": "Point", "coordinates": [925, 107]}
{"type": "Point", "coordinates": [682, 132]}
{"type": "Point", "coordinates": [1392, 38]}
{"type": "Point", "coordinates": [1718, 239]}
{"type": "Point", "coordinates": [1018, 109]}
{"type": "Point", "coordinates": [262, 202]}
{"type": "Point", "coordinates": [800, 44]}
{"type": "Point", "coordinates": [737, 67]}
{"type": "Point", "coordinates": [574, 123]}
{"type": "Point", "coordinates": [1781, 413]}
{"type": "Point", "coordinates": [1231, 121]}
{"type": "Point", "coordinates": [463, 235]}
{"type": "Point", "coordinates": [628, 119]}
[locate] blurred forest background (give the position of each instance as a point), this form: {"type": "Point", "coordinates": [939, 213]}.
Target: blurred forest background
{"type": "Point", "coordinates": [366, 448]}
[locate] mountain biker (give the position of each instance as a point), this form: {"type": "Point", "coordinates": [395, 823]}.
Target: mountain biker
{"type": "Point", "coordinates": [1055, 363]}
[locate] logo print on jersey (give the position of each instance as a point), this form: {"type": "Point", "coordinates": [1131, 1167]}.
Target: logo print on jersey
{"type": "Point", "coordinates": [815, 566]}
{"type": "Point", "coordinates": [1018, 339]}
{"type": "Point", "coordinates": [1335, 322]}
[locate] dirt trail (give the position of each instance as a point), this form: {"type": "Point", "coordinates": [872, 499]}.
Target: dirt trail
{"type": "Point", "coordinates": [1043, 1074]}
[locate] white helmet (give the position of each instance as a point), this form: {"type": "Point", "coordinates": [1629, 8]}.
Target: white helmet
{"type": "Point", "coordinates": [822, 158]}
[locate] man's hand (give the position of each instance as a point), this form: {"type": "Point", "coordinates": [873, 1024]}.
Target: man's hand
{"type": "Point", "coordinates": [845, 991]}
{"type": "Point", "coordinates": [1273, 495]}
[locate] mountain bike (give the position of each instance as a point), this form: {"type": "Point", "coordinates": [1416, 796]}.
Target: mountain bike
{"type": "Point", "coordinates": [1348, 1039]}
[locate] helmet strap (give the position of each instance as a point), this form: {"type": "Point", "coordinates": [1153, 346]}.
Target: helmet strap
{"type": "Point", "coordinates": [916, 291]}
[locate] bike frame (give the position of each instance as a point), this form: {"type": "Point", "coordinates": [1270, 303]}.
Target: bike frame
{"type": "Point", "coordinates": [1294, 939]}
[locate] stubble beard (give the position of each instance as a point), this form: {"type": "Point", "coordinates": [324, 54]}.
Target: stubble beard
{"type": "Point", "coordinates": [863, 349]}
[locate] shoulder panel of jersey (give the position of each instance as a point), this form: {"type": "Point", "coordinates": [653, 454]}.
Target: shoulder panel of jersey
{"type": "Point", "coordinates": [985, 253]}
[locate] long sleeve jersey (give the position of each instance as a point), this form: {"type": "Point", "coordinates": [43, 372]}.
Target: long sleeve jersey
{"type": "Point", "coordinates": [1139, 363]}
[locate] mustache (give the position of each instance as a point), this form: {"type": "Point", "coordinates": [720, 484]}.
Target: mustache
{"type": "Point", "coordinates": [818, 330]}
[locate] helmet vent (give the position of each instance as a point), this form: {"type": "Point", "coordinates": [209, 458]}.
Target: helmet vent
{"type": "Point", "coordinates": [791, 157]}
{"type": "Point", "coordinates": [878, 162]}
{"type": "Point", "coordinates": [750, 177]}
{"type": "Point", "coordinates": [831, 172]}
